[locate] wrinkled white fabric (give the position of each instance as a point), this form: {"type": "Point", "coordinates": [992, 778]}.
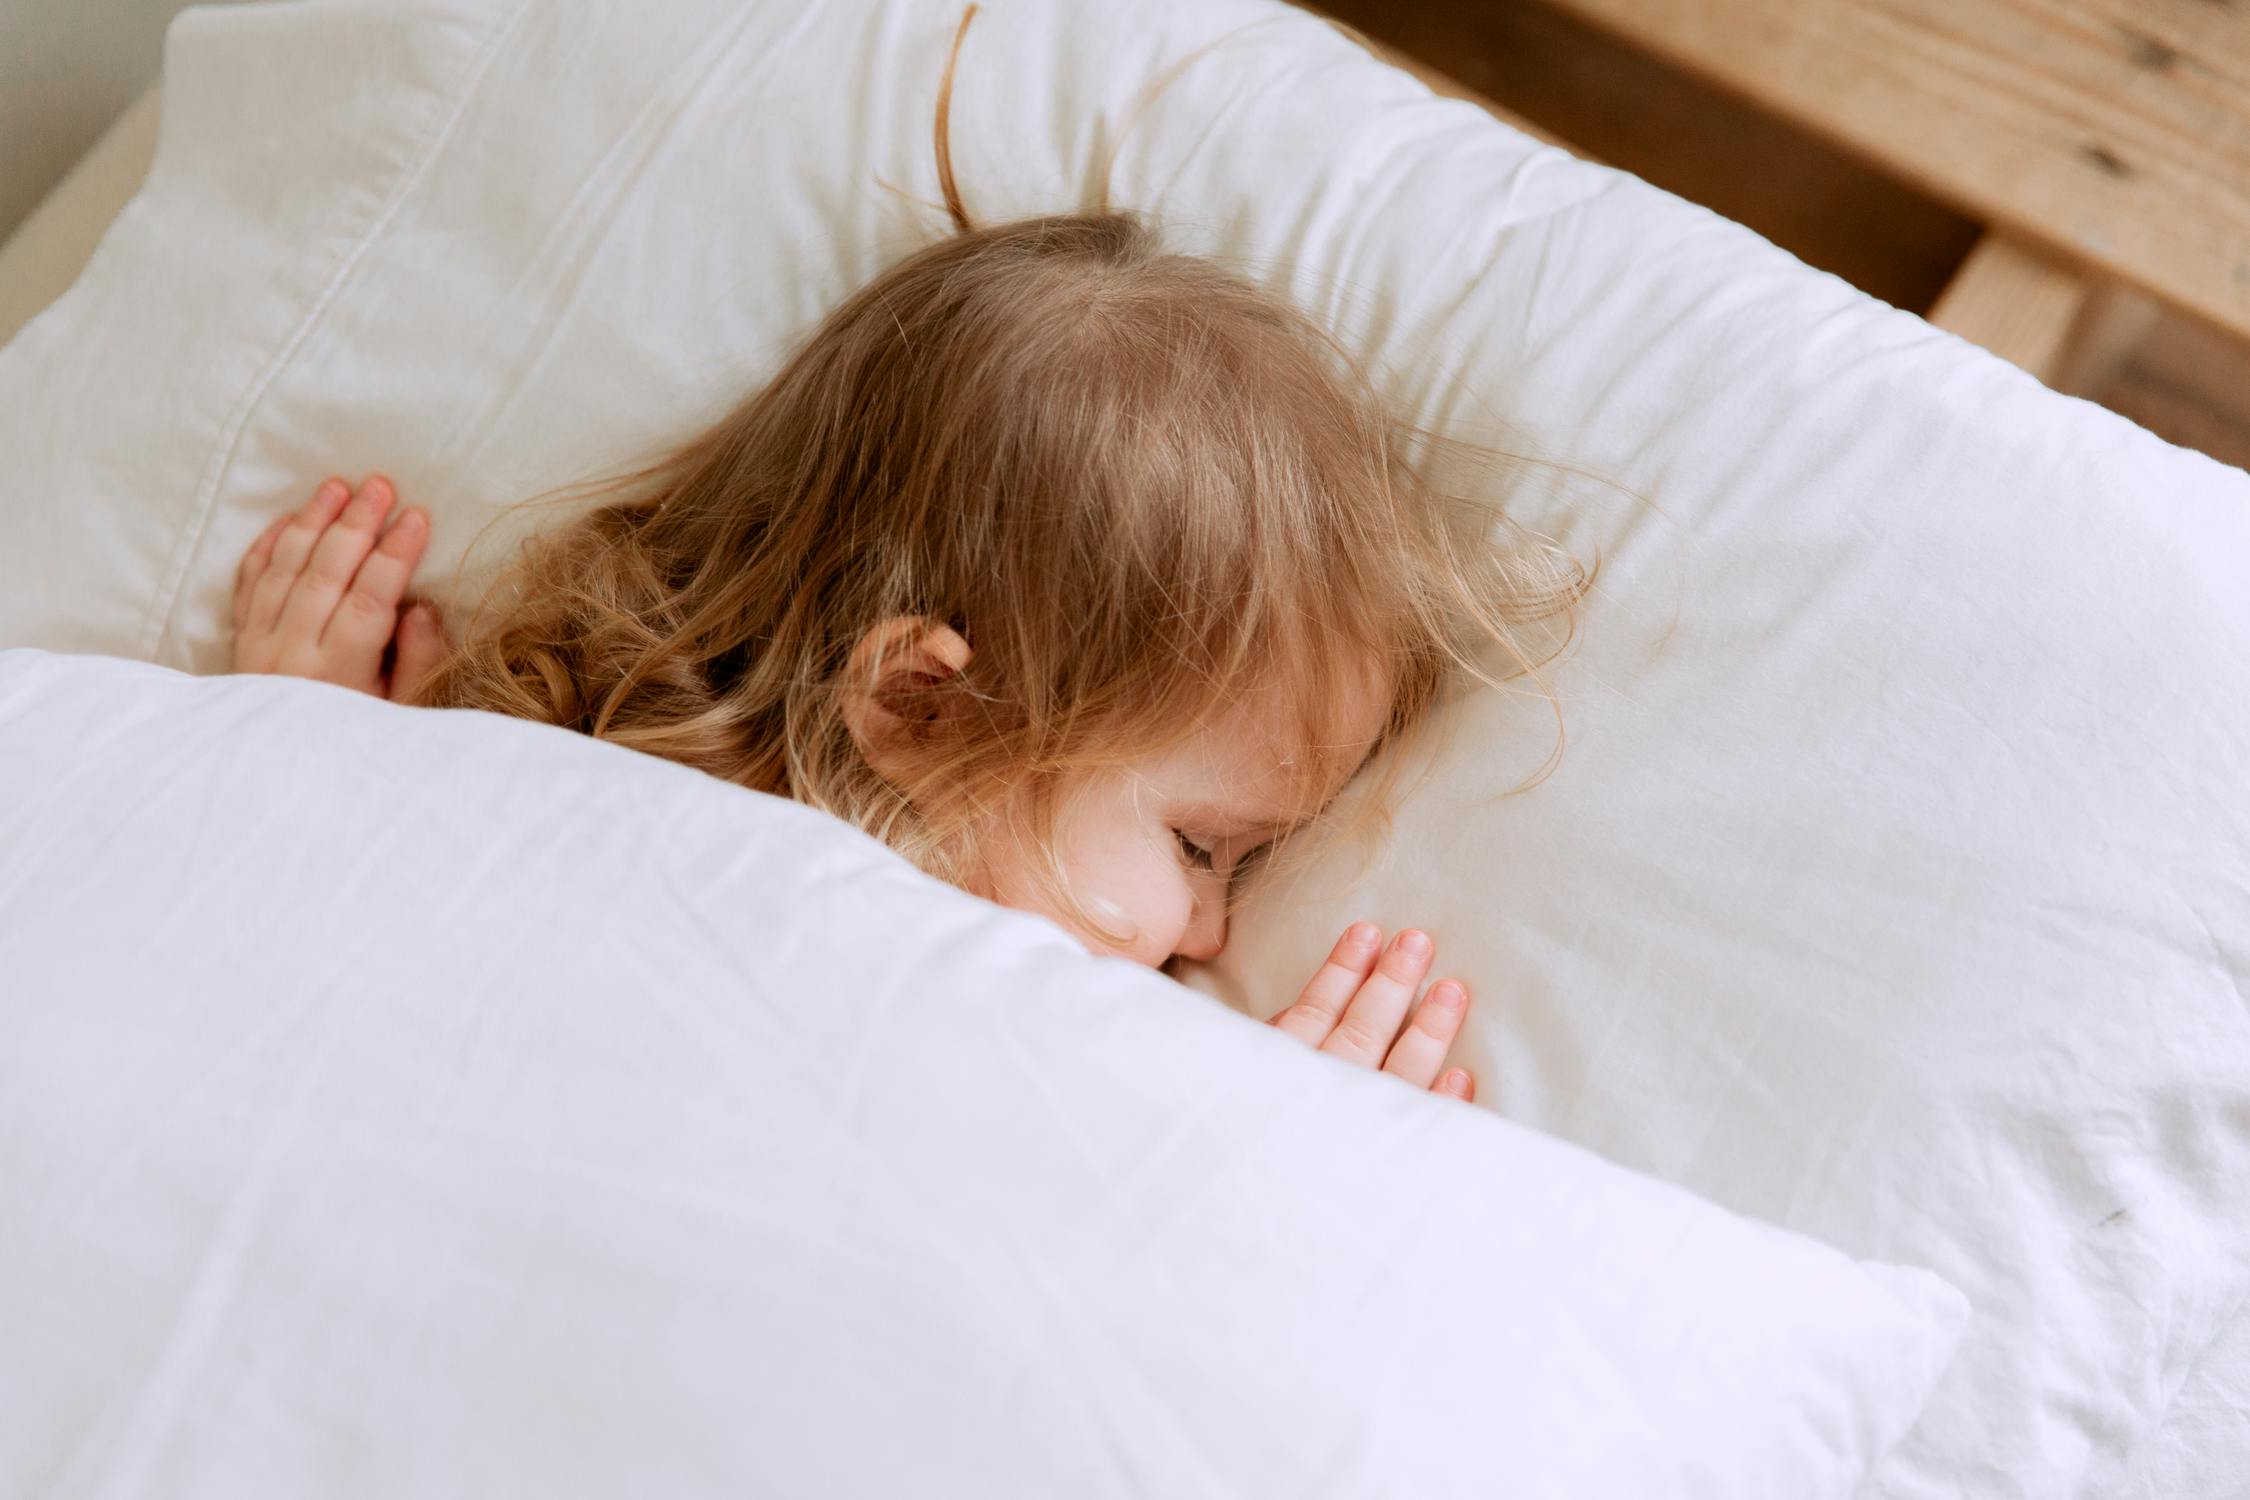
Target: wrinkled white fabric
{"type": "Point", "coordinates": [1894, 884]}
{"type": "Point", "coordinates": [409, 1103]}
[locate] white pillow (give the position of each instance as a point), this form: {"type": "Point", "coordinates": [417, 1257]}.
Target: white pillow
{"type": "Point", "coordinates": [411, 1103]}
{"type": "Point", "coordinates": [1895, 884]}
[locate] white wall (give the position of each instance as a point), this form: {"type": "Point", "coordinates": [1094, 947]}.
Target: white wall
{"type": "Point", "coordinates": [67, 68]}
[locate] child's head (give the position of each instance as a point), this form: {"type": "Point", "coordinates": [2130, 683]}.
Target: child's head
{"type": "Point", "coordinates": [1081, 573]}
{"type": "Point", "coordinates": [1077, 571]}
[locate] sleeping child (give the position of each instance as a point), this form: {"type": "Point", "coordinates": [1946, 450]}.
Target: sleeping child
{"type": "Point", "coordinates": [1081, 573]}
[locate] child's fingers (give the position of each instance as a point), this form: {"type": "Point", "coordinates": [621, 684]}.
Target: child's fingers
{"type": "Point", "coordinates": [368, 612]}
{"type": "Point", "coordinates": [1323, 1001]}
{"type": "Point", "coordinates": [1418, 1056]}
{"type": "Point", "coordinates": [292, 545]}
{"type": "Point", "coordinates": [253, 566]}
{"type": "Point", "coordinates": [335, 561]}
{"type": "Point", "coordinates": [1458, 1083]}
{"type": "Point", "coordinates": [1370, 1023]}
{"type": "Point", "coordinates": [422, 646]}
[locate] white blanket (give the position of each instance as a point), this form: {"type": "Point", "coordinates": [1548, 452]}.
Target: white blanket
{"type": "Point", "coordinates": [397, 1103]}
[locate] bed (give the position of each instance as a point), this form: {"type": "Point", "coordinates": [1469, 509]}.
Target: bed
{"type": "Point", "coordinates": [1894, 886]}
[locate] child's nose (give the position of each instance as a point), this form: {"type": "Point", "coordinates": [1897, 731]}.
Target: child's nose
{"type": "Point", "coordinates": [1206, 933]}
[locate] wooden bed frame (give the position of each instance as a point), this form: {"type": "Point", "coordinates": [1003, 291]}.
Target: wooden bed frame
{"type": "Point", "coordinates": [2102, 145]}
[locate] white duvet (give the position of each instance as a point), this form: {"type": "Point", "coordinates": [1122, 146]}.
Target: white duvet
{"type": "Point", "coordinates": [399, 1103]}
{"type": "Point", "coordinates": [1894, 885]}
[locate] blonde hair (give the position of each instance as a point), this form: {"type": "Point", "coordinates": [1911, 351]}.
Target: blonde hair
{"type": "Point", "coordinates": [1139, 486]}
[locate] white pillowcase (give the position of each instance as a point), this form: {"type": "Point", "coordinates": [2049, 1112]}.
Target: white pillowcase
{"type": "Point", "coordinates": [1895, 883]}
{"type": "Point", "coordinates": [410, 1103]}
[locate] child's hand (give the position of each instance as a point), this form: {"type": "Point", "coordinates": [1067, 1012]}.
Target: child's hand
{"type": "Point", "coordinates": [1351, 1013]}
{"type": "Point", "coordinates": [319, 594]}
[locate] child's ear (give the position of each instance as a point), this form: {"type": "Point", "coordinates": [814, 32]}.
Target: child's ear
{"type": "Point", "coordinates": [894, 659]}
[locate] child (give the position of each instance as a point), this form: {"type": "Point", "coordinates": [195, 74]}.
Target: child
{"type": "Point", "coordinates": [1079, 572]}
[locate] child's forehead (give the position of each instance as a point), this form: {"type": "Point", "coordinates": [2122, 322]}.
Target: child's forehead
{"type": "Point", "coordinates": [1270, 754]}
{"type": "Point", "coordinates": [1341, 708]}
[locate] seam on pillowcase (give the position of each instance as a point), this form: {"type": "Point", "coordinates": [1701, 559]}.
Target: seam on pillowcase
{"type": "Point", "coordinates": [156, 628]}
{"type": "Point", "coordinates": [684, 82]}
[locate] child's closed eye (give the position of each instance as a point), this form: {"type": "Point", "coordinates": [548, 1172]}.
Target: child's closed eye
{"type": "Point", "coordinates": [1207, 858]}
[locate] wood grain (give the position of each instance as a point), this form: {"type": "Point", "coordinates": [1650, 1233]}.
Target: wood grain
{"type": "Point", "coordinates": [1446, 86]}
{"type": "Point", "coordinates": [2117, 131]}
{"type": "Point", "coordinates": [2016, 301]}
{"type": "Point", "coordinates": [2187, 382]}
{"type": "Point", "coordinates": [1683, 134]}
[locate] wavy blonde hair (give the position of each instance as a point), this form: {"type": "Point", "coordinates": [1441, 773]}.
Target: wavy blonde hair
{"type": "Point", "coordinates": [1140, 486]}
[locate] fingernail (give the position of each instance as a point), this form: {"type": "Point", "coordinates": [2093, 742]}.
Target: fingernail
{"type": "Point", "coordinates": [1414, 943]}
{"type": "Point", "coordinates": [331, 489]}
{"type": "Point", "coordinates": [1447, 995]}
{"type": "Point", "coordinates": [1360, 935]}
{"type": "Point", "coordinates": [1457, 1083]}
